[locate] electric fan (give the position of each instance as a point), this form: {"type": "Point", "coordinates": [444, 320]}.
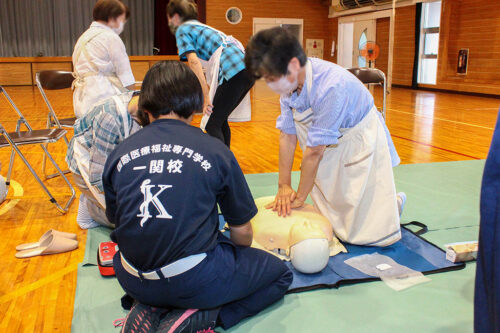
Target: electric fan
{"type": "Point", "coordinates": [369, 51]}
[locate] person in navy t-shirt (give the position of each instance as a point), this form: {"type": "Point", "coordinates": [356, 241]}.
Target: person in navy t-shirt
{"type": "Point", "coordinates": [163, 186]}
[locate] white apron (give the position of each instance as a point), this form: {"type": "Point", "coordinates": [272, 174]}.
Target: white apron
{"type": "Point", "coordinates": [87, 94]}
{"type": "Point", "coordinates": [82, 154]}
{"type": "Point", "coordinates": [354, 186]}
{"type": "Point", "coordinates": [243, 111]}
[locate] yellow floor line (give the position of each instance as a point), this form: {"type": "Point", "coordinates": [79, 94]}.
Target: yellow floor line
{"type": "Point", "coordinates": [35, 152]}
{"type": "Point", "coordinates": [40, 283]}
{"type": "Point", "coordinates": [40, 196]}
{"type": "Point", "coordinates": [11, 202]}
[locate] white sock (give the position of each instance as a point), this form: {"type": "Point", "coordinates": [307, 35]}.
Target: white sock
{"type": "Point", "coordinates": [401, 199]}
{"type": "Point", "coordinates": [83, 218]}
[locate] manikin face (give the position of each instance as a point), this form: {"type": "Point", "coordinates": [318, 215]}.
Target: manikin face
{"type": "Point", "coordinates": [138, 115]}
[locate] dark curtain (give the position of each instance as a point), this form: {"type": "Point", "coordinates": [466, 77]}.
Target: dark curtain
{"type": "Point", "coordinates": [51, 27]}
{"type": "Point", "coordinates": [164, 40]}
{"type": "Point", "coordinates": [418, 19]}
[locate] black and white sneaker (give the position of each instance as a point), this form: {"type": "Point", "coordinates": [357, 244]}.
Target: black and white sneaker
{"type": "Point", "coordinates": [189, 321]}
{"type": "Point", "coordinates": [142, 319]}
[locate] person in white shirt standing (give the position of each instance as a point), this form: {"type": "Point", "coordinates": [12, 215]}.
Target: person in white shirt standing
{"type": "Point", "coordinates": [100, 61]}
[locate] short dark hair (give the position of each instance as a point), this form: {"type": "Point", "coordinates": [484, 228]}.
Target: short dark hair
{"type": "Point", "coordinates": [186, 9]}
{"type": "Point", "coordinates": [269, 52]}
{"type": "Point", "coordinates": [104, 10]}
{"type": "Point", "coordinates": [170, 86]}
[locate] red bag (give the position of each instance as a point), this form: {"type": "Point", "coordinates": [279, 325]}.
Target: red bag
{"type": "Point", "coordinates": [105, 255]}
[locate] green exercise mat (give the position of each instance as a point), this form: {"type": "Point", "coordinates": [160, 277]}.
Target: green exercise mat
{"type": "Point", "coordinates": [445, 196]}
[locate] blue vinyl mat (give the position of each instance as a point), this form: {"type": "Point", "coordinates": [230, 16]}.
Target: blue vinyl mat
{"type": "Point", "coordinates": [411, 251]}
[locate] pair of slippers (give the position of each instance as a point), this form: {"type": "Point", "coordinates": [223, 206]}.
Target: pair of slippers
{"type": "Point", "coordinates": [51, 242]}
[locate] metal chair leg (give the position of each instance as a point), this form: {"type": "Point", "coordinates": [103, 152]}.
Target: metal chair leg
{"type": "Point", "coordinates": [44, 160]}
{"type": "Point", "coordinates": [385, 95]}
{"type": "Point", "coordinates": [9, 172]}
{"type": "Point", "coordinates": [45, 189]}
{"type": "Point", "coordinates": [61, 173]}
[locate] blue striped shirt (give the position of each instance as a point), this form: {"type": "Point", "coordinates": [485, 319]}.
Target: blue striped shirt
{"type": "Point", "coordinates": [204, 41]}
{"type": "Point", "coordinates": [337, 98]}
{"type": "Point", "coordinates": [103, 128]}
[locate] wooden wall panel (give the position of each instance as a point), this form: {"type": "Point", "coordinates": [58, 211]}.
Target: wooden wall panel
{"type": "Point", "coordinates": [15, 74]}
{"type": "Point", "coordinates": [476, 26]}
{"type": "Point", "coordinates": [404, 45]}
{"type": "Point", "coordinates": [333, 32]}
{"type": "Point", "coordinates": [315, 15]}
{"type": "Point", "coordinates": [382, 39]}
{"type": "Point", "coordinates": [21, 71]}
{"type": "Point", "coordinates": [43, 66]}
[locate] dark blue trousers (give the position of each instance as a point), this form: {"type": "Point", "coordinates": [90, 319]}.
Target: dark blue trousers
{"type": "Point", "coordinates": [487, 292]}
{"type": "Point", "coordinates": [240, 280]}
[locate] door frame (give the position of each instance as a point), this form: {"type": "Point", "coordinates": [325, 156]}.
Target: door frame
{"type": "Point", "coordinates": [372, 27]}
{"type": "Point", "coordinates": [373, 16]}
{"type": "Point", "coordinates": [278, 22]}
{"type": "Point", "coordinates": [341, 42]}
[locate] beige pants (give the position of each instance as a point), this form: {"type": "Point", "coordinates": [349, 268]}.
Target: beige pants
{"type": "Point", "coordinates": [96, 211]}
{"type": "Point", "coordinates": [354, 187]}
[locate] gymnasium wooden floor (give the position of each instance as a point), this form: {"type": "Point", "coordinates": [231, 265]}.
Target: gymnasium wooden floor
{"type": "Point", "coordinates": [37, 294]}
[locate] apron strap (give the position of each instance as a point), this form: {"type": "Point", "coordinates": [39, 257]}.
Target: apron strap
{"type": "Point", "coordinates": [80, 79]}
{"type": "Point", "coordinates": [225, 38]}
{"type": "Point", "coordinates": [123, 112]}
{"type": "Point", "coordinates": [423, 227]}
{"type": "Point", "coordinates": [309, 80]}
{"type": "Point", "coordinates": [83, 48]}
{"type": "Point", "coordinates": [307, 114]}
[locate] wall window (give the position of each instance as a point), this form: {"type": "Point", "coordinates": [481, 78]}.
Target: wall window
{"type": "Point", "coordinates": [429, 42]}
{"type": "Point", "coordinates": [361, 44]}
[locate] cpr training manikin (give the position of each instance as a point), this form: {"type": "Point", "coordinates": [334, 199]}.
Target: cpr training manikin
{"type": "Point", "coordinates": [305, 237]}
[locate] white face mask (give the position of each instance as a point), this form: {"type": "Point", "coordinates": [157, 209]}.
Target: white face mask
{"type": "Point", "coordinates": [283, 86]}
{"type": "Point", "coordinates": [119, 30]}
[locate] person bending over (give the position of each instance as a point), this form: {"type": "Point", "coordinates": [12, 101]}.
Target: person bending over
{"type": "Point", "coordinates": [347, 163]}
{"type": "Point", "coordinates": [222, 57]}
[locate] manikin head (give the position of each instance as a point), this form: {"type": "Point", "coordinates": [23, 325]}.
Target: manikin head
{"type": "Point", "coordinates": [133, 109]}
{"type": "Point", "coordinates": [309, 248]}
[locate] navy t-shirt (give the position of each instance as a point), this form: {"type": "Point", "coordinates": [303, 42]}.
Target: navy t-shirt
{"type": "Point", "coordinates": [162, 187]}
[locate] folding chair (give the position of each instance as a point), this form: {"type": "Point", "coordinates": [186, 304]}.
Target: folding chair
{"type": "Point", "coordinates": [33, 137]}
{"type": "Point", "coordinates": [371, 76]}
{"type": "Point", "coordinates": [54, 80]}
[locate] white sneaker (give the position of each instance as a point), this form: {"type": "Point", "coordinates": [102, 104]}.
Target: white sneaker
{"type": "Point", "coordinates": [401, 197]}
{"type": "Point", "coordinates": [83, 218]}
